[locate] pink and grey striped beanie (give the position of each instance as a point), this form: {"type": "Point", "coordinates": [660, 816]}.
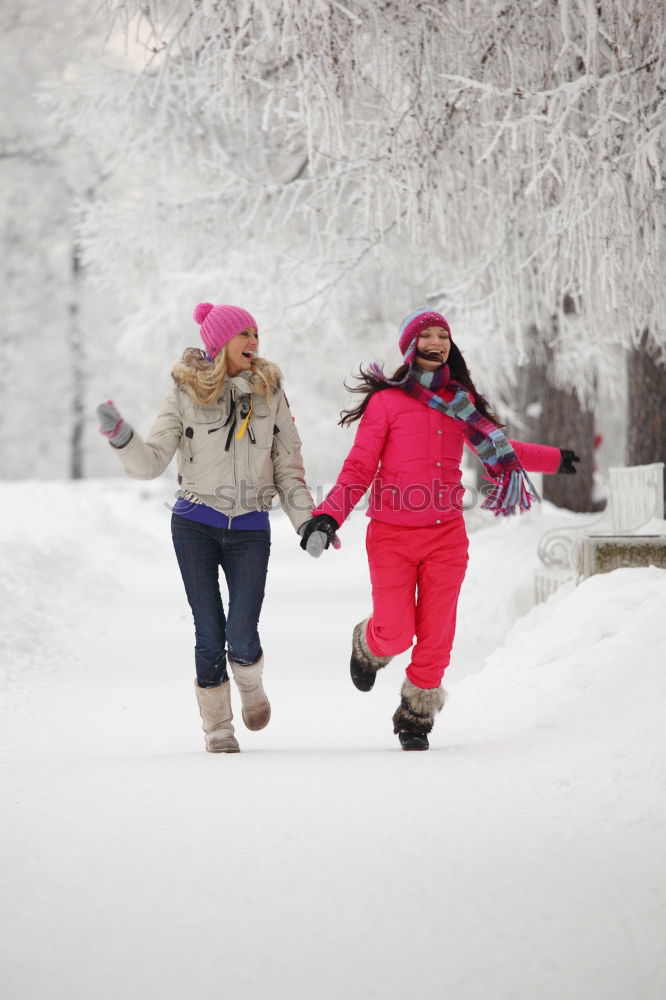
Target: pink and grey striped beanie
{"type": "Point", "coordinates": [220, 323]}
{"type": "Point", "coordinates": [411, 327]}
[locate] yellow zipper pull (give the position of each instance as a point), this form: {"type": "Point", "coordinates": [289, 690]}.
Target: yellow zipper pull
{"type": "Point", "coordinates": [243, 426]}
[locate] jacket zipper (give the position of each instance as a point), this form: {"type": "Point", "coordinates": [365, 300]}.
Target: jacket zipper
{"type": "Point", "coordinates": [233, 437]}
{"type": "Point", "coordinates": [231, 419]}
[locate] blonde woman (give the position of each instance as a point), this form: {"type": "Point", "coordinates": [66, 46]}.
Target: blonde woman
{"type": "Point", "coordinates": [229, 420]}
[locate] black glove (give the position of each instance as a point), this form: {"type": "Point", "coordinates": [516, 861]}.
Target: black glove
{"type": "Point", "coordinates": [318, 533]}
{"type": "Point", "coordinates": [567, 462]}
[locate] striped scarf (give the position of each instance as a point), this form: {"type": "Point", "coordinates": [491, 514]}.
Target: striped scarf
{"type": "Point", "coordinates": [512, 488]}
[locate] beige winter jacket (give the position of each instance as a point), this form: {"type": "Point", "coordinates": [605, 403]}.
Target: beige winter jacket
{"type": "Point", "coordinates": [265, 462]}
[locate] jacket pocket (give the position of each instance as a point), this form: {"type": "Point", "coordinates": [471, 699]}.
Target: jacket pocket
{"type": "Point", "coordinates": [260, 424]}
{"type": "Point", "coordinates": [202, 431]}
{"type": "Point", "coordinates": [281, 444]}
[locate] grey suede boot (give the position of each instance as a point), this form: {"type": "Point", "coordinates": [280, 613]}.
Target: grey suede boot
{"type": "Point", "coordinates": [415, 716]}
{"type": "Point", "coordinates": [215, 709]}
{"type": "Point", "coordinates": [364, 664]}
{"type": "Point", "coordinates": [256, 707]}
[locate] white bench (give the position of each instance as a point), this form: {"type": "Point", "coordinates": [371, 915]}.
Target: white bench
{"type": "Point", "coordinates": [635, 510]}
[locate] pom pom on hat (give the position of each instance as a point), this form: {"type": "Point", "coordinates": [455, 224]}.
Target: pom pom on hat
{"type": "Point", "coordinates": [412, 326]}
{"type": "Point", "coordinates": [220, 323]}
{"type": "Point", "coordinates": [201, 311]}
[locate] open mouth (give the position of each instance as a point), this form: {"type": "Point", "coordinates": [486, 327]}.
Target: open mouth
{"type": "Point", "coordinates": [248, 354]}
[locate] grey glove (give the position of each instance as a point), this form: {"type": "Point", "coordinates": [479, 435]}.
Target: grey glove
{"type": "Point", "coordinates": [112, 425]}
{"type": "Point", "coordinates": [318, 533]}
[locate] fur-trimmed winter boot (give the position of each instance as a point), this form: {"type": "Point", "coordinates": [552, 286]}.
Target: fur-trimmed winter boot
{"type": "Point", "coordinates": [215, 709]}
{"type": "Point", "coordinates": [415, 715]}
{"type": "Point", "coordinates": [364, 664]}
{"type": "Point", "coordinates": [256, 707]}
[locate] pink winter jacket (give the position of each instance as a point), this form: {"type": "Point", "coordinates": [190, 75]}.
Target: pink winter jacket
{"type": "Point", "coordinates": [410, 455]}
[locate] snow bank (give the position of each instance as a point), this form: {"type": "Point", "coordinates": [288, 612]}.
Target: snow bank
{"type": "Point", "coordinates": [597, 651]}
{"type": "Point", "coordinates": [67, 548]}
{"type": "Point", "coordinates": [522, 857]}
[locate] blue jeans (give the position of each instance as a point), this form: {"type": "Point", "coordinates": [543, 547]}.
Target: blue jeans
{"type": "Point", "coordinates": [243, 555]}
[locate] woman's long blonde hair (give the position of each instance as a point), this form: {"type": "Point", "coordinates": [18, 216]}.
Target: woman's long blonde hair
{"type": "Point", "coordinates": [203, 380]}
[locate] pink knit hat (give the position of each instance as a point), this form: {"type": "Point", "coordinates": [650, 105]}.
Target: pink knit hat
{"type": "Point", "coordinates": [411, 327]}
{"type": "Point", "coordinates": [220, 323]}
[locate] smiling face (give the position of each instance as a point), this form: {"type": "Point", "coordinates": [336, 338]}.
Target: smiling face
{"type": "Point", "coordinates": [241, 350]}
{"type": "Point", "coordinates": [435, 341]}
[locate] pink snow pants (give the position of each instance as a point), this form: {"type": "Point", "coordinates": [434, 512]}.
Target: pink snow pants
{"type": "Point", "coordinates": [416, 575]}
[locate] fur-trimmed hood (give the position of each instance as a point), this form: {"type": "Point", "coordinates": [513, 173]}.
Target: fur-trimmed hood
{"type": "Point", "coordinates": [182, 374]}
{"type": "Point", "coordinates": [271, 373]}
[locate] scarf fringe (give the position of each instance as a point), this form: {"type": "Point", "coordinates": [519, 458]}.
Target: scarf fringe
{"type": "Point", "coordinates": [513, 491]}
{"type": "Point", "coordinates": [378, 371]}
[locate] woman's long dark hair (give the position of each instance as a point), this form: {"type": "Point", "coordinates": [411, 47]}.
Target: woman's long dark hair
{"type": "Point", "coordinates": [369, 384]}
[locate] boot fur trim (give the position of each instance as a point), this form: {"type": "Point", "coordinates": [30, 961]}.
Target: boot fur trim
{"type": "Point", "coordinates": [361, 651]}
{"type": "Point", "coordinates": [418, 708]}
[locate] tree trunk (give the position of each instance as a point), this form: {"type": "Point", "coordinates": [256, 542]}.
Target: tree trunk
{"type": "Point", "coordinates": [565, 424]}
{"type": "Point", "coordinates": [555, 417]}
{"type": "Point", "coordinates": [646, 383]}
{"type": "Point", "coordinates": [76, 349]}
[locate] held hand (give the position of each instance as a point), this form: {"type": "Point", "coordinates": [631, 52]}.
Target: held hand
{"type": "Point", "coordinates": [566, 464]}
{"type": "Point", "coordinates": [112, 425]}
{"type": "Point", "coordinates": [318, 533]}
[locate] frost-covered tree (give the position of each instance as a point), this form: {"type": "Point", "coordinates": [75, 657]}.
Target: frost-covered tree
{"type": "Point", "coordinates": [515, 150]}
{"type": "Point", "coordinates": [43, 351]}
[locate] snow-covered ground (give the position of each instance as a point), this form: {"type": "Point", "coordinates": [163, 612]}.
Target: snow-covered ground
{"type": "Point", "coordinates": [522, 857]}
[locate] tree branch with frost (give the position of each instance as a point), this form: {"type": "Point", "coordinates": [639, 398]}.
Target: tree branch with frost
{"type": "Point", "coordinates": [461, 125]}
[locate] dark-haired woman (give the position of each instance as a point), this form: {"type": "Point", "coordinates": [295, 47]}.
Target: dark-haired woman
{"type": "Point", "coordinates": [229, 420]}
{"type": "Point", "coordinates": [408, 449]}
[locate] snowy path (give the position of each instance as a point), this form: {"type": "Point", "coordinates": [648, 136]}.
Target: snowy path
{"type": "Point", "coordinates": [522, 857]}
